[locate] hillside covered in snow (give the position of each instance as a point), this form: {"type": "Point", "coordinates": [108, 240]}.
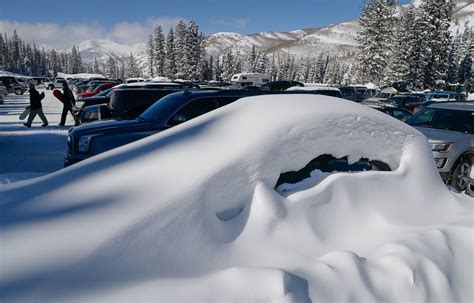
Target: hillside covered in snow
{"type": "Point", "coordinates": [337, 40]}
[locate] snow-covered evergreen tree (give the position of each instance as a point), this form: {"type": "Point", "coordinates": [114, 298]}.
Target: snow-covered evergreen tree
{"type": "Point", "coordinates": [375, 39]}
{"type": "Point", "coordinates": [159, 53]}
{"type": "Point", "coordinates": [150, 48]}
{"type": "Point", "coordinates": [111, 70]}
{"type": "Point", "coordinates": [170, 62]}
{"type": "Point", "coordinates": [399, 66]}
{"type": "Point", "coordinates": [132, 67]}
{"type": "Point", "coordinates": [439, 12]}
{"type": "Point", "coordinates": [419, 53]}
{"type": "Point", "coordinates": [228, 66]}
{"type": "Point", "coordinates": [193, 47]}
{"type": "Point", "coordinates": [180, 50]}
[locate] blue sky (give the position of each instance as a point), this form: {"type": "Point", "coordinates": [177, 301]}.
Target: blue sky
{"type": "Point", "coordinates": [131, 21]}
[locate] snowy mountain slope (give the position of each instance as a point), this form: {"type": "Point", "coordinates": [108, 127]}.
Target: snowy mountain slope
{"type": "Point", "coordinates": [102, 49]}
{"type": "Point", "coordinates": [337, 40]}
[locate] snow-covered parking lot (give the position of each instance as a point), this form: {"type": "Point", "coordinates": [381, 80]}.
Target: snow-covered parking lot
{"type": "Point", "coordinates": [30, 152]}
{"type": "Point", "coordinates": [192, 213]}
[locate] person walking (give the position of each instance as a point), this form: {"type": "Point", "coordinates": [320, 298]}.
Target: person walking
{"type": "Point", "coordinates": [68, 104]}
{"type": "Point", "coordinates": [35, 107]}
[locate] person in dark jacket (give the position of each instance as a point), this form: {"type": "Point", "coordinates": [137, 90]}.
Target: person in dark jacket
{"type": "Point", "coordinates": [68, 104]}
{"type": "Point", "coordinates": [35, 107]}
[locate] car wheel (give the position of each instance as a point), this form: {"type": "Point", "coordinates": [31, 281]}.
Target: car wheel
{"type": "Point", "coordinates": [18, 91]}
{"type": "Point", "coordinates": [51, 87]}
{"type": "Point", "coordinates": [460, 176]}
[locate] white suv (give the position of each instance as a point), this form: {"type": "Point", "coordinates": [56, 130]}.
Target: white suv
{"type": "Point", "coordinates": [56, 83]}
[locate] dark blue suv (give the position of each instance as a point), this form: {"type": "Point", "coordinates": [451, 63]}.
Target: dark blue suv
{"type": "Point", "coordinates": [91, 139]}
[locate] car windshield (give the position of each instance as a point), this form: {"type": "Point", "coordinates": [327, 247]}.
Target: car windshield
{"type": "Point", "coordinates": [441, 118]}
{"type": "Point", "coordinates": [153, 112]}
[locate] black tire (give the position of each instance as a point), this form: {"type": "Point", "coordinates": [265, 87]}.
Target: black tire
{"type": "Point", "coordinates": [460, 176]}
{"type": "Point", "coordinates": [51, 86]}
{"type": "Point", "coordinates": [18, 91]}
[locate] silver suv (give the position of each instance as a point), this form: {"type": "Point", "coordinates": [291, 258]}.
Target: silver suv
{"type": "Point", "coordinates": [449, 127]}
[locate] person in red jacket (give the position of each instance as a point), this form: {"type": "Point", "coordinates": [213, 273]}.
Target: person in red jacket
{"type": "Point", "coordinates": [68, 105]}
{"type": "Point", "coordinates": [35, 107]}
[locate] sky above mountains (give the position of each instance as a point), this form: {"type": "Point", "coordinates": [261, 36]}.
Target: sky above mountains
{"type": "Point", "coordinates": [63, 23]}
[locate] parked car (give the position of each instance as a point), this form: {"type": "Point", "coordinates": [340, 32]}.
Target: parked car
{"type": "Point", "coordinates": [99, 88]}
{"type": "Point", "coordinates": [398, 113]}
{"type": "Point", "coordinates": [381, 96]}
{"type": "Point", "coordinates": [280, 85]}
{"type": "Point", "coordinates": [87, 140]}
{"type": "Point", "coordinates": [317, 90]}
{"type": "Point", "coordinates": [405, 101]}
{"type": "Point", "coordinates": [101, 98]}
{"type": "Point", "coordinates": [439, 96]}
{"type": "Point", "coordinates": [12, 85]}
{"type": "Point", "coordinates": [449, 128]}
{"type": "Point", "coordinates": [125, 103]}
{"type": "Point", "coordinates": [354, 93]}
{"type": "Point", "coordinates": [55, 83]}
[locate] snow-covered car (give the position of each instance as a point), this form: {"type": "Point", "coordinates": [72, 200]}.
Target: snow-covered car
{"type": "Point", "coordinates": [55, 83]}
{"type": "Point", "coordinates": [449, 128]}
{"type": "Point", "coordinates": [13, 85]}
{"type": "Point", "coordinates": [441, 96]}
{"type": "Point", "coordinates": [316, 89]}
{"type": "Point", "coordinates": [193, 214]}
{"type": "Point", "coordinates": [381, 97]}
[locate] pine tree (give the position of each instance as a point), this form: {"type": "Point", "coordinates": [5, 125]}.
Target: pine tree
{"type": "Point", "coordinates": [193, 47]}
{"type": "Point", "coordinates": [159, 53]}
{"type": "Point", "coordinates": [439, 39]}
{"type": "Point", "coordinates": [465, 69]}
{"type": "Point", "coordinates": [180, 50]}
{"type": "Point", "coordinates": [150, 53]}
{"type": "Point", "coordinates": [228, 68]}
{"type": "Point", "coordinates": [132, 67]}
{"type": "Point", "coordinates": [111, 68]}
{"type": "Point", "coordinates": [377, 21]}
{"type": "Point", "coordinates": [454, 59]}
{"type": "Point", "coordinates": [170, 61]}
{"type": "Point", "coordinates": [398, 68]}
{"type": "Point", "coordinates": [419, 53]}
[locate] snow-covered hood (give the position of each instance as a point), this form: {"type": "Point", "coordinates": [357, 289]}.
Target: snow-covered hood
{"type": "Point", "coordinates": [191, 214]}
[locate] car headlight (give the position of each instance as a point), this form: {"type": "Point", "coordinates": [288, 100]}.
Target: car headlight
{"type": "Point", "coordinates": [80, 104]}
{"type": "Point", "coordinates": [84, 143]}
{"type": "Point", "coordinates": [441, 147]}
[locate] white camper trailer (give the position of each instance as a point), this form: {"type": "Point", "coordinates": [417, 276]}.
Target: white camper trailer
{"type": "Point", "coordinates": [250, 79]}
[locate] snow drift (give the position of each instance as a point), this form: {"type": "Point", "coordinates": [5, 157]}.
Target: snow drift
{"type": "Point", "coordinates": [191, 214]}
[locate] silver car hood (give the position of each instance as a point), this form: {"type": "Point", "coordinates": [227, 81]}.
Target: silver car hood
{"type": "Point", "coordinates": [443, 135]}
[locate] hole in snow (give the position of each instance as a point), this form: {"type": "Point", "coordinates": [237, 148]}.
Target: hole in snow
{"type": "Point", "coordinates": [321, 167]}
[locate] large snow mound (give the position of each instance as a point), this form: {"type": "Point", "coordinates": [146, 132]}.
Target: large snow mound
{"type": "Point", "coordinates": [191, 214]}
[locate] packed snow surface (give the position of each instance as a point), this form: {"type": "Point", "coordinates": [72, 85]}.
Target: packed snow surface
{"type": "Point", "coordinates": [191, 214]}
